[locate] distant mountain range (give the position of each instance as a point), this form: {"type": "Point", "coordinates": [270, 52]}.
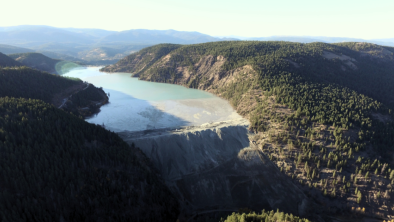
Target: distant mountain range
{"type": "Point", "coordinates": [35, 36]}
{"type": "Point", "coordinates": [102, 47]}
{"type": "Point", "coordinates": [89, 46]}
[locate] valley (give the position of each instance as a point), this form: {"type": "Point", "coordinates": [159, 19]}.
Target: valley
{"type": "Point", "coordinates": [70, 94]}
{"type": "Point", "coordinates": [220, 127]}
{"type": "Point", "coordinates": [196, 111]}
{"type": "Point", "coordinates": [193, 138]}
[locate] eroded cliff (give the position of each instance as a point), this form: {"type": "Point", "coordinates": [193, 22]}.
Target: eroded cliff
{"type": "Point", "coordinates": [216, 167]}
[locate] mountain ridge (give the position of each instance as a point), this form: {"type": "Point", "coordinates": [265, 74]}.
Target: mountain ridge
{"type": "Point", "coordinates": [62, 43]}
{"type": "Point", "coordinates": [71, 95]}
{"type": "Point", "coordinates": [321, 112]}
{"type": "Point", "coordinates": [7, 61]}
{"type": "Point", "coordinates": [37, 61]}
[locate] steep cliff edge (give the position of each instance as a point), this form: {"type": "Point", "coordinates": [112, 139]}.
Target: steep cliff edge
{"type": "Point", "coordinates": [215, 167]}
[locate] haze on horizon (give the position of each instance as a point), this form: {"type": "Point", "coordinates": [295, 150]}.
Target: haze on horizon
{"type": "Point", "coordinates": [249, 18]}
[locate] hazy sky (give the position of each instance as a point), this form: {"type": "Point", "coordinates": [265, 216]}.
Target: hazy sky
{"type": "Point", "coordinates": [253, 18]}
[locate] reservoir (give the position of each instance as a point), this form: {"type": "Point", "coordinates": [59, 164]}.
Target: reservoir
{"type": "Point", "coordinates": [136, 105]}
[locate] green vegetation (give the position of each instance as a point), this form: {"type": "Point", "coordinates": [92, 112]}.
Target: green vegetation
{"type": "Point", "coordinates": [322, 112]}
{"type": "Point", "coordinates": [264, 216]}
{"type": "Point", "coordinates": [372, 78]}
{"type": "Point", "coordinates": [7, 61]}
{"type": "Point", "coordinates": [85, 97]}
{"type": "Point", "coordinates": [57, 167]}
{"type": "Point", "coordinates": [24, 82]}
{"type": "Point", "coordinates": [37, 61]}
{"type": "Point", "coordinates": [87, 101]}
{"type": "Point", "coordinates": [29, 83]}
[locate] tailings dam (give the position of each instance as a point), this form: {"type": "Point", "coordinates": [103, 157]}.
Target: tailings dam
{"type": "Point", "coordinates": [198, 143]}
{"type": "Point", "coordinates": [215, 166]}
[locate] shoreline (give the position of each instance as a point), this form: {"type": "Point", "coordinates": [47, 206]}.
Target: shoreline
{"type": "Point", "coordinates": [127, 135]}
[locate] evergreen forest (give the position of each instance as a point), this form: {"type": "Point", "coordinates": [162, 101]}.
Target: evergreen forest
{"type": "Point", "coordinates": [6, 61]}
{"type": "Point", "coordinates": [24, 82]}
{"type": "Point", "coordinates": [321, 112]}
{"type": "Point", "coordinates": [57, 167]}
{"type": "Point", "coordinates": [36, 61]}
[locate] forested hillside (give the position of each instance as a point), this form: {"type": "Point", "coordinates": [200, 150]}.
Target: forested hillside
{"type": "Point", "coordinates": [57, 167]}
{"type": "Point", "coordinates": [72, 94]}
{"type": "Point", "coordinates": [7, 61]}
{"type": "Point", "coordinates": [264, 216]}
{"type": "Point", "coordinates": [321, 112]}
{"type": "Point", "coordinates": [37, 61]}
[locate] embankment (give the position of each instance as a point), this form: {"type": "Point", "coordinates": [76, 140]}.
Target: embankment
{"type": "Point", "coordinates": [215, 166]}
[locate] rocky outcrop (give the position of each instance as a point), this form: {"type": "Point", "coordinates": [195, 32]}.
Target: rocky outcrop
{"type": "Point", "coordinates": [216, 167]}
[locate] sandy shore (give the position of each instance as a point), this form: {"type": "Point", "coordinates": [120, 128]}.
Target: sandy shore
{"type": "Point", "coordinates": [151, 133]}
{"type": "Point", "coordinates": [124, 114]}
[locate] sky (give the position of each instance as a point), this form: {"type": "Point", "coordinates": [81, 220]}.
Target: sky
{"type": "Point", "coordinates": [249, 18]}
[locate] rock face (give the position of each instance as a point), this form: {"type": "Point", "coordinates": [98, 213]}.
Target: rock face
{"type": "Point", "coordinates": [214, 167]}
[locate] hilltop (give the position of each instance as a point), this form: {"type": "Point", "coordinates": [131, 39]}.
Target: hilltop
{"type": "Point", "coordinates": [8, 49]}
{"type": "Point", "coordinates": [7, 61]}
{"type": "Point", "coordinates": [315, 58]}
{"type": "Point", "coordinates": [37, 61]}
{"type": "Point", "coordinates": [321, 112]}
{"type": "Point", "coordinates": [72, 95]}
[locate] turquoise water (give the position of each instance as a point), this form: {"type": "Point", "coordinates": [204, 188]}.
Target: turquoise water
{"type": "Point", "coordinates": [144, 90]}
{"type": "Point", "coordinates": [136, 105]}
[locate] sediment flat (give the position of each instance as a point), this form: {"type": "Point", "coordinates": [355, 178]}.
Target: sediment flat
{"type": "Point", "coordinates": [124, 114]}
{"type": "Point", "coordinates": [150, 133]}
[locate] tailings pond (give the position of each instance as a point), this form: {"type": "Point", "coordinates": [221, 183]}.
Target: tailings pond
{"type": "Point", "coordinates": [136, 105]}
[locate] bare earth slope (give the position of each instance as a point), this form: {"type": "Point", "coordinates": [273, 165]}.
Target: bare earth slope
{"type": "Point", "coordinates": [214, 167]}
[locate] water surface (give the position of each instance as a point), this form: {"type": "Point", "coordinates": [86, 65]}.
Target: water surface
{"type": "Point", "coordinates": [138, 105]}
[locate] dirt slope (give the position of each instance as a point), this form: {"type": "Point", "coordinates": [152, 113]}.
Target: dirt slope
{"type": "Point", "coordinates": [216, 167]}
